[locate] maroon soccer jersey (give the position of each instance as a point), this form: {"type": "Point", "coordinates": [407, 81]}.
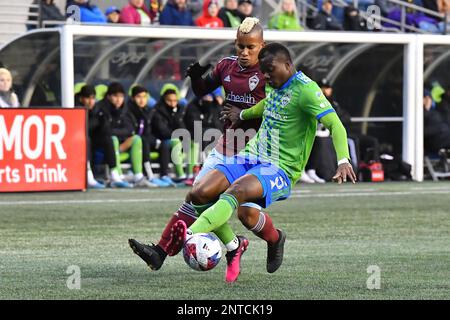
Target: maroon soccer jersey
{"type": "Point", "coordinates": [244, 87]}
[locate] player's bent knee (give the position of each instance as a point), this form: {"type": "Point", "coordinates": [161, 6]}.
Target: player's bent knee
{"type": "Point", "coordinates": [200, 194]}
{"type": "Point", "coordinates": [238, 191]}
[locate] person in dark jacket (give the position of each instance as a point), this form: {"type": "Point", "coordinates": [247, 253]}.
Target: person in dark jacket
{"type": "Point", "coordinates": [141, 118]}
{"type": "Point", "coordinates": [352, 19]}
{"type": "Point", "coordinates": [444, 106]}
{"type": "Point", "coordinates": [325, 20]}
{"type": "Point", "coordinates": [436, 129]}
{"type": "Point", "coordinates": [49, 12]}
{"type": "Point", "coordinates": [202, 116]}
{"type": "Point", "coordinates": [168, 118]}
{"type": "Point", "coordinates": [124, 138]}
{"type": "Point", "coordinates": [176, 13]}
{"type": "Point", "coordinates": [99, 137]}
{"type": "Point", "coordinates": [229, 14]}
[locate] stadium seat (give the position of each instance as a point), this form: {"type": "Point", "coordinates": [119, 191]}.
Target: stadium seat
{"type": "Point", "coordinates": [438, 165]}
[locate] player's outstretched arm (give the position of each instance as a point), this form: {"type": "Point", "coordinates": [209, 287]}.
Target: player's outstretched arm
{"type": "Point", "coordinates": [332, 122]}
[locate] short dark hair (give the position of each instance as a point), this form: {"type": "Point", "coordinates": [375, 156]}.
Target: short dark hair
{"type": "Point", "coordinates": [169, 91]}
{"type": "Point", "coordinates": [115, 88]}
{"type": "Point", "coordinates": [275, 49]}
{"type": "Point", "coordinates": [87, 91]}
{"type": "Point", "coordinates": [137, 90]}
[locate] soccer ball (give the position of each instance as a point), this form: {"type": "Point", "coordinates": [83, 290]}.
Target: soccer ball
{"type": "Point", "coordinates": [202, 251]}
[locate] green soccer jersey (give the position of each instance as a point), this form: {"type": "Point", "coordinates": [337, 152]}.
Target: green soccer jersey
{"type": "Point", "coordinates": [289, 125]}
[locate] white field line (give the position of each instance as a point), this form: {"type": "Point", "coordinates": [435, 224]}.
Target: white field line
{"type": "Point", "coordinates": [296, 195]}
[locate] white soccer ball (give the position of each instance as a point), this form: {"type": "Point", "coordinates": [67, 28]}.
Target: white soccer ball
{"type": "Point", "coordinates": [202, 251]}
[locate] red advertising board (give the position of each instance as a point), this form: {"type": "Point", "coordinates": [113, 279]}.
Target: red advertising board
{"type": "Point", "coordinates": [42, 149]}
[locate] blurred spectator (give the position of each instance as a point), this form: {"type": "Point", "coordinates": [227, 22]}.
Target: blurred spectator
{"type": "Point", "coordinates": [49, 12]}
{"type": "Point", "coordinates": [229, 14]}
{"type": "Point", "coordinates": [352, 19]}
{"type": "Point", "coordinates": [112, 15]}
{"type": "Point", "coordinates": [168, 118]}
{"type": "Point", "coordinates": [202, 115]}
{"type": "Point", "coordinates": [245, 8]}
{"type": "Point", "coordinates": [209, 18]}
{"type": "Point", "coordinates": [141, 118]}
{"type": "Point", "coordinates": [325, 20]}
{"type": "Point", "coordinates": [436, 129]}
{"type": "Point", "coordinates": [8, 99]}
{"type": "Point", "coordinates": [135, 12]}
{"type": "Point", "coordinates": [386, 6]}
{"type": "Point", "coordinates": [124, 138]}
{"type": "Point", "coordinates": [88, 12]}
{"type": "Point", "coordinates": [99, 138]}
{"type": "Point", "coordinates": [176, 13]}
{"type": "Point", "coordinates": [444, 106]}
{"type": "Point", "coordinates": [285, 17]}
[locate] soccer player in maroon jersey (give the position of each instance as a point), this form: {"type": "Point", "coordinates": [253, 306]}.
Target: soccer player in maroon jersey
{"type": "Point", "coordinates": [244, 86]}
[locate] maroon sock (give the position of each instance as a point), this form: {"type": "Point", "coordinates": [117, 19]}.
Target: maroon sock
{"type": "Point", "coordinates": [185, 213]}
{"type": "Point", "coordinates": [265, 230]}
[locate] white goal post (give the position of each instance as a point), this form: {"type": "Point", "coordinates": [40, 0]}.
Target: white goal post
{"type": "Point", "coordinates": [413, 71]}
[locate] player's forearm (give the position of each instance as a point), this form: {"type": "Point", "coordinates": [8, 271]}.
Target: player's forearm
{"type": "Point", "coordinates": [254, 112]}
{"type": "Point", "coordinates": [202, 86]}
{"type": "Point", "coordinates": [332, 122]}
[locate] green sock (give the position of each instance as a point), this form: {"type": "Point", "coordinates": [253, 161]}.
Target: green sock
{"type": "Point", "coordinates": [193, 157]}
{"type": "Point", "coordinates": [217, 215]}
{"type": "Point", "coordinates": [224, 232]}
{"type": "Point", "coordinates": [177, 156]}
{"type": "Point", "coordinates": [136, 154]}
{"type": "Point", "coordinates": [117, 154]}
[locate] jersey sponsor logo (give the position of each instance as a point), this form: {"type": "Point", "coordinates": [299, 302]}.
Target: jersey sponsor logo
{"type": "Point", "coordinates": [227, 79]}
{"type": "Point", "coordinates": [279, 182]}
{"type": "Point", "coordinates": [245, 98]}
{"type": "Point", "coordinates": [253, 82]}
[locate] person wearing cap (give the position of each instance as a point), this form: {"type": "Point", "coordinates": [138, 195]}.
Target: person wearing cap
{"type": "Point", "coordinates": [436, 130]}
{"type": "Point", "coordinates": [325, 20]}
{"type": "Point", "coordinates": [285, 17]}
{"type": "Point", "coordinates": [245, 8]}
{"type": "Point", "coordinates": [99, 137]}
{"type": "Point", "coordinates": [209, 18]}
{"type": "Point", "coordinates": [136, 12]}
{"type": "Point", "coordinates": [229, 14]}
{"type": "Point", "coordinates": [444, 105]}
{"type": "Point", "coordinates": [112, 15]}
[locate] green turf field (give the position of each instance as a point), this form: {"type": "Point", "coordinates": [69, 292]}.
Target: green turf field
{"type": "Point", "coordinates": [333, 235]}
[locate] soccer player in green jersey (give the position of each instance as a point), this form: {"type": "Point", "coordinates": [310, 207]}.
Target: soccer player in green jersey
{"type": "Point", "coordinates": [274, 159]}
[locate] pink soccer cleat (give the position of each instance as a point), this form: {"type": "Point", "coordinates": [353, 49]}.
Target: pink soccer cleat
{"type": "Point", "coordinates": [234, 260]}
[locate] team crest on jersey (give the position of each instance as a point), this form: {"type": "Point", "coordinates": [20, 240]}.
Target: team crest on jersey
{"type": "Point", "coordinates": [253, 82]}
{"type": "Point", "coordinates": [286, 98]}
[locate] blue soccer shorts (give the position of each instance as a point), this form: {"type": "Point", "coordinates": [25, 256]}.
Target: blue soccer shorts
{"type": "Point", "coordinates": [276, 184]}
